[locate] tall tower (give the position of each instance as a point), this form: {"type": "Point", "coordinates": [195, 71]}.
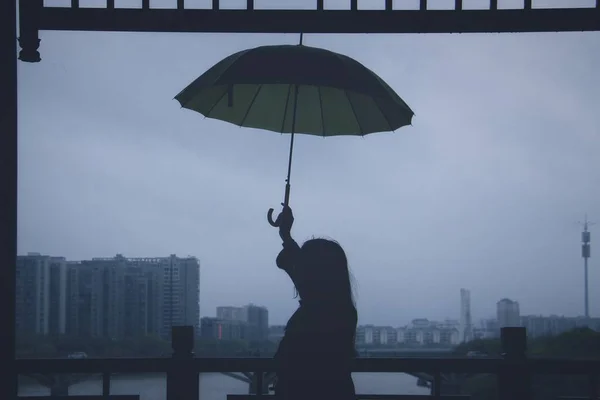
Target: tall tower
{"type": "Point", "coordinates": [466, 327]}
{"type": "Point", "coordinates": [585, 253]}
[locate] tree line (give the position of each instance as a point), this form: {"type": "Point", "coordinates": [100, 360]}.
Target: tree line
{"type": "Point", "coordinates": [580, 344]}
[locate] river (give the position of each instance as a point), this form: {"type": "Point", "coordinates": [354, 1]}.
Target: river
{"type": "Point", "coordinates": [215, 386]}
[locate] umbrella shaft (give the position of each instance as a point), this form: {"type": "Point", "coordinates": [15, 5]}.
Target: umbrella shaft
{"type": "Point", "coordinates": [287, 194]}
{"type": "Point", "coordinates": [289, 173]}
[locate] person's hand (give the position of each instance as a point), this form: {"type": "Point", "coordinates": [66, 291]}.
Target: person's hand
{"type": "Point", "coordinates": [285, 220]}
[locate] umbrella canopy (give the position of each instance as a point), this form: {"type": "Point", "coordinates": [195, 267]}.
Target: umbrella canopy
{"type": "Point", "coordinates": [296, 89]}
{"type": "Point", "coordinates": [330, 93]}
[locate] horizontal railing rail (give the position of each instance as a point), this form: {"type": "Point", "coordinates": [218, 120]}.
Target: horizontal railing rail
{"type": "Point", "coordinates": [400, 365]}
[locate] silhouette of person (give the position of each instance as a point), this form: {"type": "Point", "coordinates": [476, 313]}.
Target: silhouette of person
{"type": "Point", "coordinates": [314, 358]}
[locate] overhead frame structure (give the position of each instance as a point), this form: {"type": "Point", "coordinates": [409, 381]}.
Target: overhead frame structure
{"type": "Point", "coordinates": [34, 17]}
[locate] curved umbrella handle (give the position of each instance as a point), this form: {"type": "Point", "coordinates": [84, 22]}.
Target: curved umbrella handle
{"type": "Point", "coordinates": [286, 201]}
{"type": "Point", "coordinates": [270, 218]}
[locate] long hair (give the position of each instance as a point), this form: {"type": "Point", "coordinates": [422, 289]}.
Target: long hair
{"type": "Point", "coordinates": [324, 274]}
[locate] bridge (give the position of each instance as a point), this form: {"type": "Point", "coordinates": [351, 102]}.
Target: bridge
{"type": "Point", "coordinates": [413, 352]}
{"type": "Point", "coordinates": [451, 383]}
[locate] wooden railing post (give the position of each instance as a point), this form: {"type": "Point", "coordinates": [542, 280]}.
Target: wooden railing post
{"type": "Point", "coordinates": [514, 381]}
{"type": "Point", "coordinates": [182, 380]}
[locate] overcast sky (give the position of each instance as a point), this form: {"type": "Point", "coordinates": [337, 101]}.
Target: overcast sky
{"type": "Point", "coordinates": [484, 191]}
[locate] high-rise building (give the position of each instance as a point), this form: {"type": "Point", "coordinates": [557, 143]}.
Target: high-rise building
{"type": "Point", "coordinates": [508, 314]}
{"type": "Point", "coordinates": [230, 313]}
{"type": "Point", "coordinates": [79, 299]}
{"type": "Point", "coordinates": [257, 320]}
{"type": "Point", "coordinates": [219, 329]}
{"type": "Point", "coordinates": [254, 318]}
{"type": "Point", "coordinates": [122, 297]}
{"type": "Point", "coordinates": [466, 325]}
{"type": "Point", "coordinates": [107, 295]}
{"type": "Point", "coordinates": [41, 294]}
{"type": "Point", "coordinates": [182, 294]}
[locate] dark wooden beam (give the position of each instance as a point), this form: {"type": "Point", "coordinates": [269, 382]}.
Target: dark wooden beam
{"type": "Point", "coordinates": [315, 21]}
{"type": "Point", "coordinates": [8, 193]}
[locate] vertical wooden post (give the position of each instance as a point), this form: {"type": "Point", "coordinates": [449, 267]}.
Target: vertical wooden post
{"type": "Point", "coordinates": [594, 392]}
{"type": "Point", "coordinates": [458, 5]}
{"type": "Point", "coordinates": [183, 382]}
{"type": "Point", "coordinates": [389, 5]}
{"type": "Point", "coordinates": [8, 191]}
{"type": "Point", "coordinates": [354, 5]}
{"type": "Point", "coordinates": [436, 385]}
{"type": "Point", "coordinates": [260, 389]}
{"type": "Point", "coordinates": [527, 5]}
{"type": "Point", "coordinates": [515, 378]}
{"type": "Point", "coordinates": [106, 384]}
{"type": "Point", "coordinates": [320, 5]}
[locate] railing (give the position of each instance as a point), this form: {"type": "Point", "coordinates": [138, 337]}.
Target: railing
{"type": "Point", "coordinates": [514, 370]}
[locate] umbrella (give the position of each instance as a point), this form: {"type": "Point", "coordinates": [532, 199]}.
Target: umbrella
{"type": "Point", "coordinates": [296, 89]}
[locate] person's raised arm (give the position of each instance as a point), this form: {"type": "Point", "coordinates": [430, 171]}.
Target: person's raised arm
{"type": "Point", "coordinates": [288, 257]}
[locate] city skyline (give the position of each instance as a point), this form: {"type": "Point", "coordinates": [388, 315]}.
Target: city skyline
{"type": "Point", "coordinates": [463, 319]}
{"type": "Point", "coordinates": [114, 297]}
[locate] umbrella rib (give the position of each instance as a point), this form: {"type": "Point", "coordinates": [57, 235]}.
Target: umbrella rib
{"type": "Point", "coordinates": [216, 102]}
{"type": "Point", "coordinates": [234, 58]}
{"type": "Point", "coordinates": [354, 112]}
{"type": "Point", "coordinates": [287, 101]}
{"type": "Point", "coordinates": [251, 104]}
{"type": "Point", "coordinates": [321, 108]}
{"type": "Point", "coordinates": [376, 99]}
